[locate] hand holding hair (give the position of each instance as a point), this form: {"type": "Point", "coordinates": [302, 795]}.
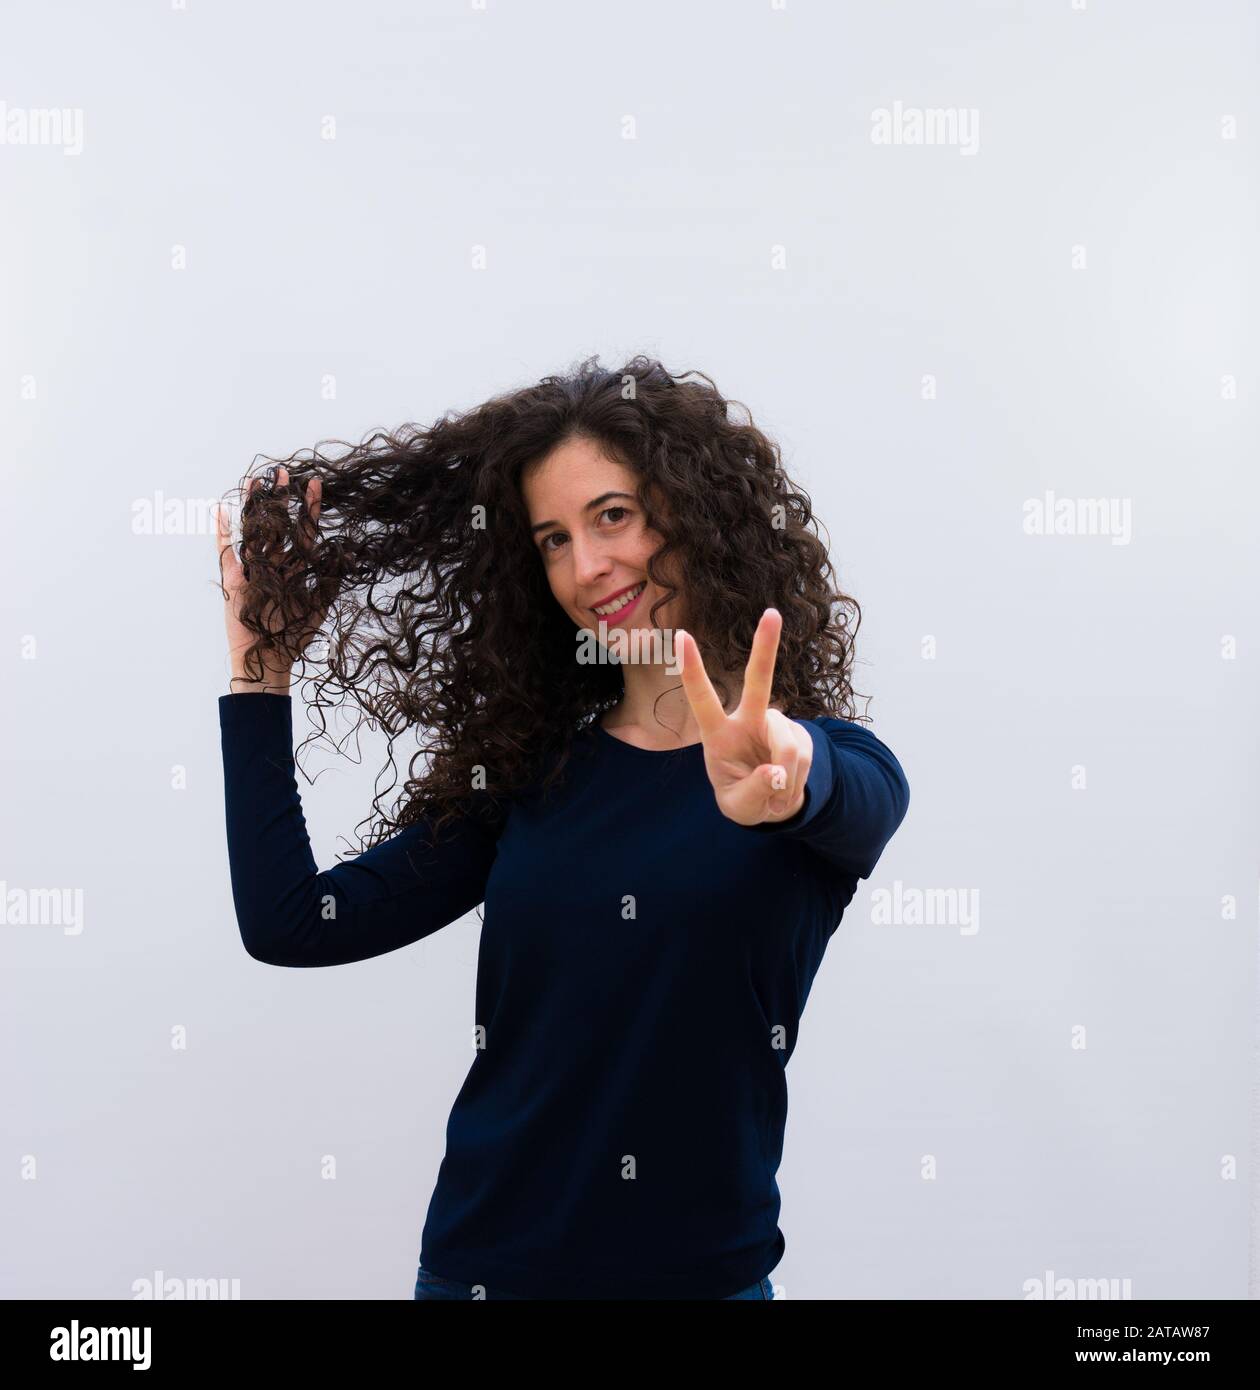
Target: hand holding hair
{"type": "Point", "coordinates": [235, 582]}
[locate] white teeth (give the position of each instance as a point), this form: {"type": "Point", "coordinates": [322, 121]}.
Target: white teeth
{"type": "Point", "coordinates": [617, 605]}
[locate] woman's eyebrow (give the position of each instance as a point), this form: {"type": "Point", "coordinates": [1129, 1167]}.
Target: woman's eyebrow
{"type": "Point", "coordinates": [590, 506]}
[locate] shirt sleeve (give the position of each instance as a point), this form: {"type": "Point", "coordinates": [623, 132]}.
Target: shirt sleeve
{"type": "Point", "coordinates": [291, 914]}
{"type": "Point", "coordinates": [856, 795]}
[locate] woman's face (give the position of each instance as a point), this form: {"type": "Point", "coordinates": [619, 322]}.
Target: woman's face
{"type": "Point", "coordinates": [592, 539]}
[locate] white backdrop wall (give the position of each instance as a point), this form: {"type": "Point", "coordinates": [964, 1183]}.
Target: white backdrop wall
{"type": "Point", "coordinates": [255, 226]}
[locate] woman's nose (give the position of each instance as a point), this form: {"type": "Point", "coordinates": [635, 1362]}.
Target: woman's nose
{"type": "Point", "coordinates": [589, 562]}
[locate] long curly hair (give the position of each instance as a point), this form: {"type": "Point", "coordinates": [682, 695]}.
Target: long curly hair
{"type": "Point", "coordinates": [434, 606]}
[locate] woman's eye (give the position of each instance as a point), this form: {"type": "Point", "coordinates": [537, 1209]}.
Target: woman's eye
{"type": "Point", "coordinates": [545, 543]}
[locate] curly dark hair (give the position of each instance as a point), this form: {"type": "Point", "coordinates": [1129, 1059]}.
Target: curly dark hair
{"type": "Point", "coordinates": [435, 593]}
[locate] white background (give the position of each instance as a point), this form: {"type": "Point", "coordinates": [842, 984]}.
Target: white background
{"type": "Point", "coordinates": [504, 128]}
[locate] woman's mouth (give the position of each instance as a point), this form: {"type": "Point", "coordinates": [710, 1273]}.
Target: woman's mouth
{"type": "Point", "coordinates": [621, 606]}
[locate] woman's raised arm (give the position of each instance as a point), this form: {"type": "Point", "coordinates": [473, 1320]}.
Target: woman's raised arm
{"type": "Point", "coordinates": [393, 894]}
{"type": "Point", "coordinates": [288, 912]}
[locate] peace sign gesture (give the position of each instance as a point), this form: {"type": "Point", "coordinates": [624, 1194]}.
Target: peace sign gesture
{"type": "Point", "coordinates": [757, 758]}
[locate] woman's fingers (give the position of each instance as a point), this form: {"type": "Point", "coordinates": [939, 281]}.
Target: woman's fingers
{"type": "Point", "coordinates": [759, 673]}
{"type": "Point", "coordinates": [224, 552]}
{"type": "Point", "coordinates": [308, 522]}
{"type": "Point", "coordinates": [701, 696]}
{"type": "Point", "coordinates": [308, 514]}
{"type": "Point", "coordinates": [230, 567]}
{"type": "Point", "coordinates": [785, 757]}
{"type": "Point", "coordinates": [776, 750]}
{"type": "Point", "coordinates": [217, 538]}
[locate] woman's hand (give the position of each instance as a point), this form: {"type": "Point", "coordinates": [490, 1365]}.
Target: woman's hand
{"type": "Point", "coordinates": [757, 758]}
{"type": "Point", "coordinates": [276, 671]}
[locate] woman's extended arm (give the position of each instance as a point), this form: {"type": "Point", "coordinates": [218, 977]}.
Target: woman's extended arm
{"type": "Point", "coordinates": [289, 913]}
{"type": "Point", "coordinates": [856, 795]}
{"type": "Point", "coordinates": [848, 790]}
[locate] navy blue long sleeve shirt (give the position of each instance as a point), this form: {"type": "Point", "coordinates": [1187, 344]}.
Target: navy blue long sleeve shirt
{"type": "Point", "coordinates": [644, 963]}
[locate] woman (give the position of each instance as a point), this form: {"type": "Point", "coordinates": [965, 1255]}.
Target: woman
{"type": "Point", "coordinates": [662, 861]}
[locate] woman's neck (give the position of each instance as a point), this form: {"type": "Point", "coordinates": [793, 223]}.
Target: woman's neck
{"type": "Point", "coordinates": [654, 707]}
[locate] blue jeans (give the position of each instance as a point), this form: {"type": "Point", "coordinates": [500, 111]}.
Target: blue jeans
{"type": "Point", "coordinates": [430, 1285]}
